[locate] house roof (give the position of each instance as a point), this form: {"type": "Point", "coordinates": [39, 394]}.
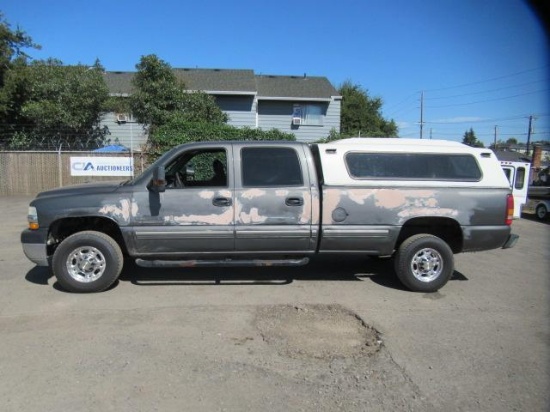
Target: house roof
{"type": "Point", "coordinates": [230, 81]}
{"type": "Point", "coordinates": [511, 156]}
{"type": "Point", "coordinates": [119, 82]}
{"type": "Point", "coordinates": [218, 80]}
{"type": "Point", "coordinates": [295, 87]}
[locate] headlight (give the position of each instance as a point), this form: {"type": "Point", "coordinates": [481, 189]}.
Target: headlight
{"type": "Point", "coordinates": [32, 218]}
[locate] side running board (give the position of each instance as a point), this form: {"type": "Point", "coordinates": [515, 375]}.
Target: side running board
{"type": "Point", "coordinates": [220, 263]}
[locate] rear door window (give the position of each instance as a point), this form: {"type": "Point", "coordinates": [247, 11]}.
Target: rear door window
{"type": "Point", "coordinates": [270, 167]}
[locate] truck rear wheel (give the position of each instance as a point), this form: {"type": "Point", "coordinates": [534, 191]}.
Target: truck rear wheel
{"type": "Point", "coordinates": [424, 263]}
{"type": "Point", "coordinates": [541, 211]}
{"type": "Point", "coordinates": [87, 261]}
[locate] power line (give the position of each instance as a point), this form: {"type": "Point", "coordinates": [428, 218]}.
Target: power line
{"type": "Point", "coordinates": [485, 91]}
{"type": "Point", "coordinates": [487, 100]}
{"type": "Point", "coordinates": [488, 80]}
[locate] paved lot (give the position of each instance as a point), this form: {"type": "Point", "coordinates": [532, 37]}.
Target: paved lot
{"type": "Point", "coordinates": [203, 339]}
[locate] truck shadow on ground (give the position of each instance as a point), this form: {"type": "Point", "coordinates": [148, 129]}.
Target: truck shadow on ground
{"type": "Point", "coordinates": [379, 271]}
{"type": "Point", "coordinates": [352, 269]}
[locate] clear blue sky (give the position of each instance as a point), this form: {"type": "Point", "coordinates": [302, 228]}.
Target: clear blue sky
{"type": "Point", "coordinates": [480, 63]}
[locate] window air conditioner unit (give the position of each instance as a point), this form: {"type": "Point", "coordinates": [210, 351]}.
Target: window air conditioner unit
{"type": "Point", "coordinates": [121, 118]}
{"type": "Point", "coordinates": [296, 121]}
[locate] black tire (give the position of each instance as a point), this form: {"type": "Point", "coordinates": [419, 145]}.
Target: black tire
{"type": "Point", "coordinates": [87, 261]}
{"type": "Point", "coordinates": [424, 263]}
{"type": "Point", "coordinates": [541, 212]}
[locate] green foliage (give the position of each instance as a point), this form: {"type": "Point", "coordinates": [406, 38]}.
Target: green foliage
{"type": "Point", "coordinates": [179, 131]}
{"type": "Point", "coordinates": [332, 136]}
{"type": "Point", "coordinates": [470, 139]}
{"type": "Point", "coordinates": [360, 114]}
{"type": "Point", "coordinates": [52, 104]}
{"type": "Point", "coordinates": [117, 104]}
{"type": "Point", "coordinates": [512, 140]}
{"type": "Point", "coordinates": [160, 98]}
{"type": "Point", "coordinates": [12, 43]}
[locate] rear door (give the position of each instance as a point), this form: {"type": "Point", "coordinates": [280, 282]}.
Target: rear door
{"type": "Point", "coordinates": [518, 176]}
{"type": "Point", "coordinates": [273, 201]}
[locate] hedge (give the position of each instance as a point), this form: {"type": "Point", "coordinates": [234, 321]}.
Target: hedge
{"type": "Point", "coordinates": [174, 133]}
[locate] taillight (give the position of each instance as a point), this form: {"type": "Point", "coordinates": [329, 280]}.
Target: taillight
{"type": "Point", "coordinates": [509, 209]}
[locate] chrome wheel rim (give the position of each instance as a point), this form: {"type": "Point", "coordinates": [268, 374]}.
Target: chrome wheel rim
{"type": "Point", "coordinates": [541, 212]}
{"type": "Point", "coordinates": [427, 265]}
{"type": "Point", "coordinates": [86, 264]}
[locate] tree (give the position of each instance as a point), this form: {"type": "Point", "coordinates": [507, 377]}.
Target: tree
{"type": "Point", "coordinates": [12, 43]}
{"type": "Point", "coordinates": [159, 97]}
{"type": "Point", "coordinates": [360, 114]}
{"type": "Point", "coordinates": [470, 139]}
{"type": "Point", "coordinates": [49, 104]}
{"type": "Point", "coordinates": [512, 140]}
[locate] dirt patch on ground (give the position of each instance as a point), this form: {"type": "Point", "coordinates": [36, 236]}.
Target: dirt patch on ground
{"type": "Point", "coordinates": [316, 331]}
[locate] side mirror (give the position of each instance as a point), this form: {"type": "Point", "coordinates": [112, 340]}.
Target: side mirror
{"type": "Point", "coordinates": [159, 179]}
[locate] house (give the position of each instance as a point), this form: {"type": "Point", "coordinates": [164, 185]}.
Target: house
{"type": "Point", "coordinates": [308, 106]}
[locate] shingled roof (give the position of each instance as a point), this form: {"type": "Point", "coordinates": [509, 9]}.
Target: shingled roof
{"type": "Point", "coordinates": [295, 87]}
{"type": "Point", "coordinates": [229, 81]}
{"type": "Point", "coordinates": [218, 80]}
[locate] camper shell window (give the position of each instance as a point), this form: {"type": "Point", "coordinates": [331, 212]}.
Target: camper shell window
{"type": "Point", "coordinates": [413, 166]}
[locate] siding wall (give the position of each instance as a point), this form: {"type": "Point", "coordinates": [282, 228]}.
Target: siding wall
{"type": "Point", "coordinates": [272, 114]}
{"type": "Point", "coordinates": [127, 134]}
{"type": "Point", "coordinates": [241, 109]}
{"type": "Point", "coordinates": [278, 115]}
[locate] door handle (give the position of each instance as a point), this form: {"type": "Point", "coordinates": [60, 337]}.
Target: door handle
{"type": "Point", "coordinates": [221, 201]}
{"type": "Point", "coordinates": [294, 201]}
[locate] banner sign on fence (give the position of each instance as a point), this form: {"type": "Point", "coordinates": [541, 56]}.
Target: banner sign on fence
{"type": "Point", "coordinates": [102, 166]}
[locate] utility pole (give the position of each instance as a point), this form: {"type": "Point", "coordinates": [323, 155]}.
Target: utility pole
{"type": "Point", "coordinates": [421, 113]}
{"type": "Point", "coordinates": [496, 132]}
{"type": "Point", "coordinates": [529, 135]}
{"type": "Point", "coordinates": [430, 133]}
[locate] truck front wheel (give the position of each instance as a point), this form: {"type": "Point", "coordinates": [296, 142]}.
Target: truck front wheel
{"type": "Point", "coordinates": [87, 261]}
{"type": "Point", "coordinates": [424, 263]}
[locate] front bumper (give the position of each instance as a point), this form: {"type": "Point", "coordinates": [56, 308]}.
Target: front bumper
{"type": "Point", "coordinates": [34, 246]}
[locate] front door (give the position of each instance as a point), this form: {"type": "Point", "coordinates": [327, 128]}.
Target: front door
{"type": "Point", "coordinates": [196, 212]}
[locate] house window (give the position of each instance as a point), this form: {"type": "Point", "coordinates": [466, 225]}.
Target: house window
{"type": "Point", "coordinates": [308, 114]}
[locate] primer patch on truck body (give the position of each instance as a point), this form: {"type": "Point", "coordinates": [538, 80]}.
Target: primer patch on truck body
{"type": "Point", "coordinates": [396, 206]}
{"type": "Point", "coordinates": [121, 211]}
{"type": "Point", "coordinates": [370, 219]}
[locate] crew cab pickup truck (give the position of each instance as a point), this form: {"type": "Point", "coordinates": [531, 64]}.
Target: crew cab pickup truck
{"type": "Point", "coordinates": [279, 203]}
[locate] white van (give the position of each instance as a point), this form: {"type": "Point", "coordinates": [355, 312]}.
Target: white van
{"type": "Point", "coordinates": [518, 174]}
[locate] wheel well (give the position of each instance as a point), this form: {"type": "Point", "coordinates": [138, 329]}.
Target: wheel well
{"type": "Point", "coordinates": [63, 228]}
{"type": "Point", "coordinates": [445, 228]}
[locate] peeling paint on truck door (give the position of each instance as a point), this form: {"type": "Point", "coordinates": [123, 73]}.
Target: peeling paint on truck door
{"type": "Point", "coordinates": [196, 212]}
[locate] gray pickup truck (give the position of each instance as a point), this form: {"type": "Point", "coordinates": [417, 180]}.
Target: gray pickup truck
{"type": "Point", "coordinates": [279, 203]}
